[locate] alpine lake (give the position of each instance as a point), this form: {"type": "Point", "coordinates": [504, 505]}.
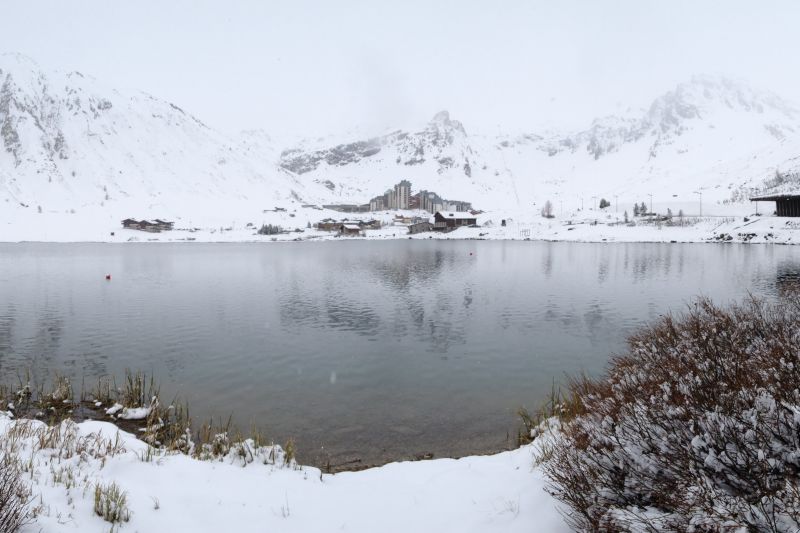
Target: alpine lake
{"type": "Point", "coordinates": [363, 352]}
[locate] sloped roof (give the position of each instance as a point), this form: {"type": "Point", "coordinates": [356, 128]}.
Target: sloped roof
{"type": "Point", "coordinates": [456, 215]}
{"type": "Point", "coordinates": [774, 197]}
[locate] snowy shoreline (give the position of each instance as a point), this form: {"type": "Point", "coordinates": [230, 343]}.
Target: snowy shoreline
{"type": "Point", "coordinates": [253, 488]}
{"type": "Point", "coordinates": [590, 226]}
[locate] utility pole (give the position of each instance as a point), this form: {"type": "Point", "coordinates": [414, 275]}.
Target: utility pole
{"type": "Point", "coordinates": [594, 202]}
{"type": "Point", "coordinates": [651, 203]}
{"type": "Point", "coordinates": [701, 202]}
{"type": "Point", "coordinates": [616, 203]}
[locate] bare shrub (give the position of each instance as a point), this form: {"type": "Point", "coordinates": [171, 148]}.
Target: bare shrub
{"type": "Point", "coordinates": [696, 428]}
{"type": "Point", "coordinates": [14, 496]}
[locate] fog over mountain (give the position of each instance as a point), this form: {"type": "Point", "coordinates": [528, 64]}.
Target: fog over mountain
{"type": "Point", "coordinates": [311, 68]}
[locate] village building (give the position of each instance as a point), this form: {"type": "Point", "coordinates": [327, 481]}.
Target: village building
{"type": "Point", "coordinates": [348, 208]}
{"type": "Point", "coordinates": [400, 197]}
{"type": "Point", "coordinates": [449, 220]}
{"type": "Point", "coordinates": [457, 205]}
{"type": "Point", "coordinates": [420, 227]}
{"type": "Point", "coordinates": [163, 224]}
{"type": "Point", "coordinates": [378, 203]}
{"type": "Point", "coordinates": [145, 225]}
{"type": "Point", "coordinates": [328, 224]}
{"type": "Point", "coordinates": [370, 224]}
{"type": "Point", "coordinates": [786, 205]}
{"type": "Point", "coordinates": [350, 230]}
{"type": "Point", "coordinates": [430, 201]}
{"type": "Point", "coordinates": [402, 193]}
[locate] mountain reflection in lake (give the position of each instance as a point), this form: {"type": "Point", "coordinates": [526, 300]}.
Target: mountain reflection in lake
{"type": "Point", "coordinates": [374, 350]}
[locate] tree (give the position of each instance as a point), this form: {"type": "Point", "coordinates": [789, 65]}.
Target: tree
{"type": "Point", "coordinates": [680, 213]}
{"type": "Point", "coordinates": [626, 216]}
{"type": "Point", "coordinates": [635, 210]}
{"type": "Point", "coordinates": [547, 210]}
{"type": "Point", "coordinates": [269, 229]}
{"type": "Point", "coordinates": [604, 203]}
{"type": "Point", "coordinates": [669, 213]}
{"type": "Point", "coordinates": [643, 209]}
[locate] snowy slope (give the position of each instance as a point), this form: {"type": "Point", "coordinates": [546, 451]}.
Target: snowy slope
{"type": "Point", "coordinates": [711, 135]}
{"type": "Point", "coordinates": [70, 142]}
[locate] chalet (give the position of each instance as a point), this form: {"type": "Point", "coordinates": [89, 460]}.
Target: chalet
{"type": "Point", "coordinates": [419, 227]}
{"type": "Point", "coordinates": [447, 220]}
{"type": "Point", "coordinates": [401, 220]}
{"type": "Point", "coordinates": [145, 225]}
{"type": "Point", "coordinates": [786, 205]}
{"type": "Point", "coordinates": [353, 230]}
{"type": "Point", "coordinates": [370, 224]}
{"type": "Point", "coordinates": [328, 224]}
{"type": "Point", "coordinates": [163, 224]}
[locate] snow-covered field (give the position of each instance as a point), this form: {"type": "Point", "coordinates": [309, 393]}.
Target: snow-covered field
{"type": "Point", "coordinates": [239, 223]}
{"type": "Point", "coordinates": [252, 489]}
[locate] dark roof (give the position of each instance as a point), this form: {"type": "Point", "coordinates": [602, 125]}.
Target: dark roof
{"type": "Point", "coordinates": [456, 215]}
{"type": "Point", "coordinates": [776, 197]}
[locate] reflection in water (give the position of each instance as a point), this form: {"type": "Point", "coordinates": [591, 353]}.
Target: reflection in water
{"type": "Point", "coordinates": [787, 280]}
{"type": "Point", "coordinates": [433, 344]}
{"type": "Point", "coordinates": [6, 329]}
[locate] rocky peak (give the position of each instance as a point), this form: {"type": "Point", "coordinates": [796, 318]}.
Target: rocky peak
{"type": "Point", "coordinates": [442, 122]}
{"type": "Point", "coordinates": [705, 95]}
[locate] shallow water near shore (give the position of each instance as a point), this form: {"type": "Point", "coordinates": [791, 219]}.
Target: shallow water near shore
{"type": "Point", "coordinates": [367, 351]}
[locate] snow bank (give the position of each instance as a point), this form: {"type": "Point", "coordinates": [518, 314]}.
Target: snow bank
{"type": "Point", "coordinates": [252, 490]}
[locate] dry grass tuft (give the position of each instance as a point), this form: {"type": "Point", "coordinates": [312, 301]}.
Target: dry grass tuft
{"type": "Point", "coordinates": [111, 503]}
{"type": "Point", "coordinates": [14, 496]}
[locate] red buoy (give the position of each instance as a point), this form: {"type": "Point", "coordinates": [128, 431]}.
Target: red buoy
{"type": "Point", "coordinates": [108, 277]}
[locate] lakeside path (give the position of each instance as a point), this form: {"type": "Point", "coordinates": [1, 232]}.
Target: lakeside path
{"type": "Point", "coordinates": [501, 492]}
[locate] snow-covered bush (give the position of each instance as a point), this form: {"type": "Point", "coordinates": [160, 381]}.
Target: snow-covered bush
{"type": "Point", "coordinates": [696, 428]}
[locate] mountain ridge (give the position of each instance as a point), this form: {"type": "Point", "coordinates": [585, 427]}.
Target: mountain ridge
{"type": "Point", "coordinates": [68, 140]}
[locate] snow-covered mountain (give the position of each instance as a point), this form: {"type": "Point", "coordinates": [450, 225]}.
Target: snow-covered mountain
{"type": "Point", "coordinates": [69, 141]}
{"type": "Point", "coordinates": [441, 157]}
{"type": "Point", "coordinates": [711, 135]}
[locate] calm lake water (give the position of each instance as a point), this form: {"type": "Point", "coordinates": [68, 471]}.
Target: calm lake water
{"type": "Point", "coordinates": [370, 350]}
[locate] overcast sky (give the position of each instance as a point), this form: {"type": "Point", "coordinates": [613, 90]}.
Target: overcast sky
{"type": "Point", "coordinates": [309, 68]}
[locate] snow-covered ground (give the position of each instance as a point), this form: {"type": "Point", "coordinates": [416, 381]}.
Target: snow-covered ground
{"type": "Point", "coordinates": [77, 156]}
{"type": "Point", "coordinates": [252, 489]}
{"type": "Point", "coordinates": [239, 223]}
